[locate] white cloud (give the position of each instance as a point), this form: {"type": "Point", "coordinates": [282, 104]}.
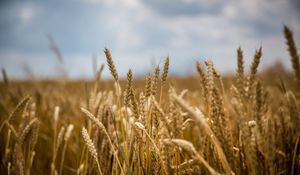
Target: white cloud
{"type": "Point", "coordinates": [131, 28]}
{"type": "Point", "coordinates": [230, 11]}
{"type": "Point", "coordinates": [123, 18]}
{"type": "Point", "coordinates": [214, 35]}
{"type": "Point", "coordinates": [26, 14]}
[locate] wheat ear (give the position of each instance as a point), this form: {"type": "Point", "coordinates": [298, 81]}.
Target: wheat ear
{"type": "Point", "coordinates": [128, 88]}
{"type": "Point", "coordinates": [154, 81]}
{"type": "Point", "coordinates": [293, 53]}
{"type": "Point", "coordinates": [253, 69]}
{"type": "Point", "coordinates": [165, 71]}
{"type": "Point", "coordinates": [91, 147]}
{"type": "Point", "coordinates": [111, 64]}
{"type": "Point", "coordinates": [240, 71]}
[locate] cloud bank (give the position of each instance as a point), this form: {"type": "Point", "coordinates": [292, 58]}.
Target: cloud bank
{"type": "Point", "coordinates": [140, 33]}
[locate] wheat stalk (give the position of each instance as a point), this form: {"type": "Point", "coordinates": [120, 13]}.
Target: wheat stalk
{"type": "Point", "coordinates": [55, 117]}
{"type": "Point", "coordinates": [66, 138]}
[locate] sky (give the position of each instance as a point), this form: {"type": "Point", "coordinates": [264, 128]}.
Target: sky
{"type": "Point", "coordinates": [140, 34]}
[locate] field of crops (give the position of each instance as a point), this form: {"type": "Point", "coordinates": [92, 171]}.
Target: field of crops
{"type": "Point", "coordinates": [247, 123]}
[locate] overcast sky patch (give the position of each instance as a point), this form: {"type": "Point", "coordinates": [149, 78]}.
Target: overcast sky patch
{"type": "Point", "coordinates": [141, 33]}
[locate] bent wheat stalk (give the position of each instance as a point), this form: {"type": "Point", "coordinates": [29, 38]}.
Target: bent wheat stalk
{"type": "Point", "coordinates": [17, 112]}
{"type": "Point", "coordinates": [142, 127]}
{"type": "Point", "coordinates": [102, 127]}
{"type": "Point", "coordinates": [189, 147]}
{"type": "Point", "coordinates": [199, 117]}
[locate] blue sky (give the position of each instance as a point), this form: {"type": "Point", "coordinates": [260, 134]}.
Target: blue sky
{"type": "Point", "coordinates": [140, 33]}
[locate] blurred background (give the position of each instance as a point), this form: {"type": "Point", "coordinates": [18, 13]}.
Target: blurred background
{"type": "Point", "coordinates": [42, 39]}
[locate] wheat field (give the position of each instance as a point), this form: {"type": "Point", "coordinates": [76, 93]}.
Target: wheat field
{"type": "Point", "coordinates": [247, 123]}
